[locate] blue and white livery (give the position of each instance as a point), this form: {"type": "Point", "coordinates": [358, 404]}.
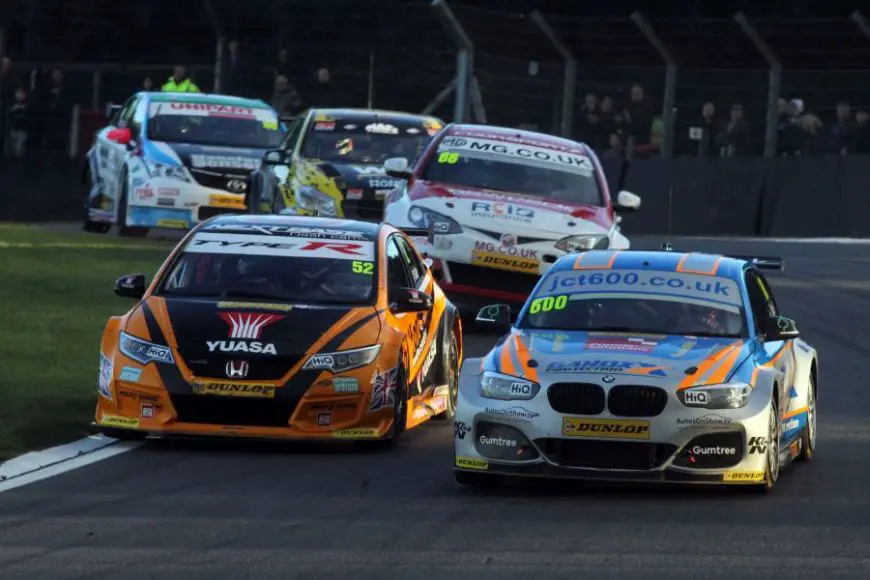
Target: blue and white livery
{"type": "Point", "coordinates": [173, 160]}
{"type": "Point", "coordinates": [640, 366]}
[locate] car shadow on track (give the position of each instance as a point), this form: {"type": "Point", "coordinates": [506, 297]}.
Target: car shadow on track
{"type": "Point", "coordinates": [518, 489]}
{"type": "Point", "coordinates": [218, 444]}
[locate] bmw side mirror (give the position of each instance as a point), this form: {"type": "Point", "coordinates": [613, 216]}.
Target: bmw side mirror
{"type": "Point", "coordinates": [495, 316]}
{"type": "Point", "coordinates": [777, 328]}
{"type": "Point", "coordinates": [410, 300]}
{"type": "Point", "coordinates": [275, 157]}
{"type": "Point", "coordinates": [130, 286]}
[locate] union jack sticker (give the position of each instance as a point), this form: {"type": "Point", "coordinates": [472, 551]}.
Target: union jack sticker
{"type": "Point", "coordinates": [384, 389]}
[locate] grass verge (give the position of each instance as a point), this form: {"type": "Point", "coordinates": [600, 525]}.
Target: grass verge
{"type": "Point", "coordinates": [55, 298]}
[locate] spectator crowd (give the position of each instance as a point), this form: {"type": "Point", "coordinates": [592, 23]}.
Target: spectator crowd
{"type": "Point", "coordinates": [35, 113]}
{"type": "Point", "coordinates": [618, 130]}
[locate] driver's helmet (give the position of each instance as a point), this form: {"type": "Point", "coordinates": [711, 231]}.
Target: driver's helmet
{"type": "Point", "coordinates": [246, 270]}
{"type": "Point", "coordinates": [715, 320]}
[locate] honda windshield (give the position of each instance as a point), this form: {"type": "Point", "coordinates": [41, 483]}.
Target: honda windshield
{"type": "Point", "coordinates": [288, 268]}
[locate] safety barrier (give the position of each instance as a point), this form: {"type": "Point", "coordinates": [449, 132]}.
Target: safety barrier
{"type": "Point", "coordinates": [819, 196]}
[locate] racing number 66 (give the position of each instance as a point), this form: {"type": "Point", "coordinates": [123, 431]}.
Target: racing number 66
{"type": "Point", "coordinates": [448, 157]}
{"type": "Point", "coordinates": [549, 303]}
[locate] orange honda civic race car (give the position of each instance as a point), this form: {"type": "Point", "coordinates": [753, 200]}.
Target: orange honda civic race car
{"type": "Point", "coordinates": [281, 327]}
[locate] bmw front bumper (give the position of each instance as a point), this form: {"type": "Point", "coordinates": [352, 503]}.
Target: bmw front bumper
{"type": "Point", "coordinates": [681, 444]}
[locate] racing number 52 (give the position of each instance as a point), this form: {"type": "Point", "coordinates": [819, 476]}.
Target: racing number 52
{"type": "Point", "coordinates": [363, 267]}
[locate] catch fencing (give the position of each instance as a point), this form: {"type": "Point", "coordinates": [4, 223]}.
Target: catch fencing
{"type": "Point", "coordinates": [461, 61]}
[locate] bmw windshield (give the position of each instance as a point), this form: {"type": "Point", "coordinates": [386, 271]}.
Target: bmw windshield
{"type": "Point", "coordinates": [214, 124]}
{"type": "Point", "coordinates": [505, 166]}
{"type": "Point", "coordinates": [640, 301]}
{"type": "Point", "coordinates": [295, 265]}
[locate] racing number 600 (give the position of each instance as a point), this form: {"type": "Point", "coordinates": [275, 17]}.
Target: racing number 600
{"type": "Point", "coordinates": [549, 303]}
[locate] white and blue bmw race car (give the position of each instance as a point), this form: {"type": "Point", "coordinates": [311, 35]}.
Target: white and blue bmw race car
{"type": "Point", "coordinates": [173, 160]}
{"type": "Point", "coordinates": [640, 366]}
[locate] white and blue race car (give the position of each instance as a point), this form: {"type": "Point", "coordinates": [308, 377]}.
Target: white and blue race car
{"type": "Point", "coordinates": [173, 160]}
{"type": "Point", "coordinates": [640, 366]}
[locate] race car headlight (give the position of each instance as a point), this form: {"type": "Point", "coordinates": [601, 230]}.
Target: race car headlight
{"type": "Point", "coordinates": [313, 199]}
{"type": "Point", "coordinates": [343, 360]}
{"type": "Point", "coordinates": [143, 351]}
{"type": "Point", "coordinates": [441, 224]}
{"type": "Point", "coordinates": [156, 169]}
{"type": "Point", "coordinates": [732, 396]}
{"type": "Point", "coordinates": [582, 243]}
{"type": "Point", "coordinates": [507, 387]}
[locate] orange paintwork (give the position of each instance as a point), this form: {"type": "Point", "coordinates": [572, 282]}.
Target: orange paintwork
{"type": "Point", "coordinates": [401, 335]}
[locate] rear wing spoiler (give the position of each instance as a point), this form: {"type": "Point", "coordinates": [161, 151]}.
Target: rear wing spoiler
{"type": "Point", "coordinates": [760, 262]}
{"type": "Point", "coordinates": [764, 262]}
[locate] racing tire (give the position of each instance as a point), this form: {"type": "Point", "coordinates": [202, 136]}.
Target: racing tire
{"type": "Point", "coordinates": [808, 437]}
{"type": "Point", "coordinates": [123, 434]}
{"type": "Point", "coordinates": [96, 227]}
{"type": "Point", "coordinates": [123, 229]}
{"type": "Point", "coordinates": [400, 417]}
{"type": "Point", "coordinates": [88, 225]}
{"type": "Point", "coordinates": [480, 480]}
{"type": "Point", "coordinates": [772, 469]}
{"type": "Point", "coordinates": [450, 376]}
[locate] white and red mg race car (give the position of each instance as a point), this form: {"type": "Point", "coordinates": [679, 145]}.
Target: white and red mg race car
{"type": "Point", "coordinates": [501, 206]}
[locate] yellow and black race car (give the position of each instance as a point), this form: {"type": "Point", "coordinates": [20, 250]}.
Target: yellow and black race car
{"type": "Point", "coordinates": [331, 163]}
{"type": "Point", "coordinates": [281, 327]}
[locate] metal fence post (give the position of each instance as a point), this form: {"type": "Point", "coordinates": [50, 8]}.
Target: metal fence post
{"type": "Point", "coordinates": [858, 18]}
{"type": "Point", "coordinates": [464, 58]}
{"type": "Point", "coordinates": [219, 64]}
{"type": "Point", "coordinates": [214, 19]}
{"type": "Point", "coordinates": [774, 84]}
{"type": "Point", "coordinates": [569, 89]}
{"type": "Point", "coordinates": [371, 95]}
{"type": "Point", "coordinates": [96, 90]}
{"type": "Point", "coordinates": [669, 106]}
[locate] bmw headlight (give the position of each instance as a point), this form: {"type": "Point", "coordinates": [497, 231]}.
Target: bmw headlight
{"type": "Point", "coordinates": [732, 396]}
{"type": "Point", "coordinates": [143, 351]}
{"type": "Point", "coordinates": [507, 387]}
{"type": "Point", "coordinates": [156, 169]}
{"type": "Point", "coordinates": [343, 360]}
{"type": "Point", "coordinates": [422, 217]}
{"type": "Point", "coordinates": [582, 243]}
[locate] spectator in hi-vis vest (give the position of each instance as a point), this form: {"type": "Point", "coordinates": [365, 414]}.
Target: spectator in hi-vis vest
{"type": "Point", "coordinates": [179, 82]}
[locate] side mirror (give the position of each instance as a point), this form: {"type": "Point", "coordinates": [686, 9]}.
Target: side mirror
{"type": "Point", "coordinates": [112, 109]}
{"type": "Point", "coordinates": [121, 136]}
{"type": "Point", "coordinates": [275, 157]}
{"type": "Point", "coordinates": [495, 316]}
{"type": "Point", "coordinates": [410, 300]}
{"type": "Point", "coordinates": [130, 286]}
{"type": "Point", "coordinates": [626, 202]}
{"type": "Point", "coordinates": [779, 328]}
{"type": "Point", "coordinates": [397, 167]}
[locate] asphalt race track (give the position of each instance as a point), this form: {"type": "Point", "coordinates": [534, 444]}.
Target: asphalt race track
{"type": "Point", "coordinates": [238, 511]}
